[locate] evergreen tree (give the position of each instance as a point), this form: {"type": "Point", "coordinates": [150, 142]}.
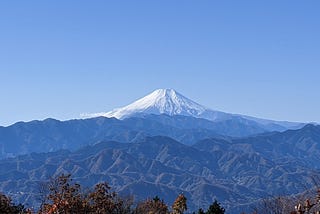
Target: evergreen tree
{"type": "Point", "coordinates": [200, 211]}
{"type": "Point", "coordinates": [7, 207]}
{"type": "Point", "coordinates": [215, 208]}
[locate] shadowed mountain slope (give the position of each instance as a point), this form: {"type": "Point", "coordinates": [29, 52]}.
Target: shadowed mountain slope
{"type": "Point", "coordinates": [235, 171]}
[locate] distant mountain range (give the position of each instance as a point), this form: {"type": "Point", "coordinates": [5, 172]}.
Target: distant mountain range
{"type": "Point", "coordinates": [52, 135]}
{"type": "Point", "coordinates": [237, 172]}
{"type": "Point", "coordinates": [163, 112]}
{"type": "Point", "coordinates": [164, 144]}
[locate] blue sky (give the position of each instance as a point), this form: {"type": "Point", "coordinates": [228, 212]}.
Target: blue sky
{"type": "Point", "coordinates": [63, 58]}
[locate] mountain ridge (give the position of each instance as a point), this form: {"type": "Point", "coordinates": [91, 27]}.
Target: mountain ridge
{"type": "Point", "coordinates": [52, 134]}
{"type": "Point", "coordinates": [236, 171]}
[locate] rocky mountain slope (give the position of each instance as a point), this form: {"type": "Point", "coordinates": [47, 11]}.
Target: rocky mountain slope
{"type": "Point", "coordinates": [236, 171]}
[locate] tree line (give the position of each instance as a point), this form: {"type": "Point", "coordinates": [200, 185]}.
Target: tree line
{"type": "Point", "coordinates": [62, 195]}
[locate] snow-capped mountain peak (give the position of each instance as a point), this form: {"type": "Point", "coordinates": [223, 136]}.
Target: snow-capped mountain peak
{"type": "Point", "coordinates": [160, 101]}
{"type": "Point", "coordinates": [170, 102]}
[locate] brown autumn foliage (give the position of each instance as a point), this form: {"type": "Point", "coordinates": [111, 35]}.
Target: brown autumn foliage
{"type": "Point", "coordinates": [179, 205]}
{"type": "Point", "coordinates": [152, 206]}
{"type": "Point", "coordinates": [101, 200]}
{"type": "Point", "coordinates": [66, 197]}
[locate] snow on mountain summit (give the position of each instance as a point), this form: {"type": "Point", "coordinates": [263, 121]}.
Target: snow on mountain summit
{"type": "Point", "coordinates": [170, 102]}
{"type": "Point", "coordinates": [161, 101]}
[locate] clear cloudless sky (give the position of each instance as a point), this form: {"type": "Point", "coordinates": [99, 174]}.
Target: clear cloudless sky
{"type": "Point", "coordinates": [62, 58]}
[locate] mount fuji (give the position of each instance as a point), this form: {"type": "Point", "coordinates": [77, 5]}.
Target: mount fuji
{"type": "Point", "coordinates": [172, 103]}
